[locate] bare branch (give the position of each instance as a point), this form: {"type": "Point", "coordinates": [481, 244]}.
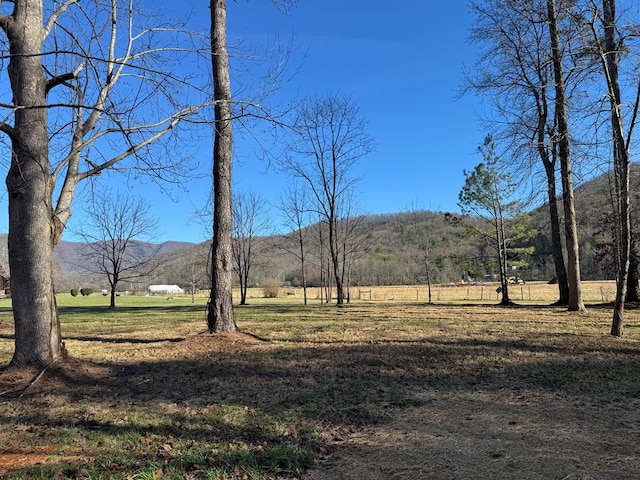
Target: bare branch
{"type": "Point", "coordinates": [55, 15]}
{"type": "Point", "coordinates": [60, 79]}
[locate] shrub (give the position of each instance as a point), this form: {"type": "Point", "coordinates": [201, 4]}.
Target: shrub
{"type": "Point", "coordinates": [85, 292]}
{"type": "Point", "coordinates": [74, 292]}
{"type": "Point", "coordinates": [271, 288]}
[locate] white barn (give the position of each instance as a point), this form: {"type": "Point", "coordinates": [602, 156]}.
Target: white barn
{"type": "Point", "coordinates": [164, 290]}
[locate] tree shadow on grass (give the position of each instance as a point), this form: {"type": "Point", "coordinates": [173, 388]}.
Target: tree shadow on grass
{"type": "Point", "coordinates": [276, 392]}
{"type": "Point", "coordinates": [100, 309]}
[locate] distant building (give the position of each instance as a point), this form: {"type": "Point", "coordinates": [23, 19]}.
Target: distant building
{"type": "Point", "coordinates": [164, 290]}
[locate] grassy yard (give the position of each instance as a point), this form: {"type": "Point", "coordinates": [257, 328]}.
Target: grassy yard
{"type": "Point", "coordinates": [373, 390]}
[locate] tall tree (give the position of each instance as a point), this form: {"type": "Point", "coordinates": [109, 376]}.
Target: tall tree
{"type": "Point", "coordinates": [220, 307]}
{"type": "Point", "coordinates": [419, 232]}
{"type": "Point", "coordinates": [566, 167]}
{"type": "Point", "coordinates": [612, 44]}
{"type": "Point", "coordinates": [329, 139]}
{"type": "Point", "coordinates": [93, 66]}
{"type": "Point", "coordinates": [115, 225]}
{"type": "Point", "coordinates": [515, 69]}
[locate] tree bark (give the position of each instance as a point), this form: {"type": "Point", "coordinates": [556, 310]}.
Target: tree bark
{"type": "Point", "coordinates": [220, 307]}
{"type": "Point", "coordinates": [633, 288]}
{"type": "Point", "coordinates": [556, 237]}
{"type": "Point", "coordinates": [29, 185]}
{"type": "Point", "coordinates": [571, 231]}
{"type": "Point", "coordinates": [621, 162]}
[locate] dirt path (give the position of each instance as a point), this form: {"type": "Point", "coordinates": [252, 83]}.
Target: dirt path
{"type": "Point", "coordinates": [491, 435]}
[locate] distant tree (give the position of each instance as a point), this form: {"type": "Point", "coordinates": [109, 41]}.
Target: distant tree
{"type": "Point", "coordinates": [116, 224]}
{"type": "Point", "coordinates": [486, 196]}
{"type": "Point", "coordinates": [295, 210]}
{"type": "Point", "coordinates": [353, 239]}
{"type": "Point", "coordinates": [250, 221]}
{"type": "Point", "coordinates": [329, 139]}
{"type": "Point", "coordinates": [418, 232]}
{"type": "Point", "coordinates": [194, 271]}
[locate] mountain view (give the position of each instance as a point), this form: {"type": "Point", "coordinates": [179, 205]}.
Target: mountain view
{"type": "Point", "coordinates": [385, 254]}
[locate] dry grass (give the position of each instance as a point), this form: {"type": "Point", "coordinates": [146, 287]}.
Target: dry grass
{"type": "Point", "coordinates": [374, 390]}
{"type": "Point", "coordinates": [531, 293]}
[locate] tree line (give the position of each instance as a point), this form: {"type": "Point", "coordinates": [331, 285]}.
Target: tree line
{"type": "Point", "coordinates": [562, 79]}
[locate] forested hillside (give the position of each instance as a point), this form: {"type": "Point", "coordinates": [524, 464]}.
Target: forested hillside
{"type": "Point", "coordinates": [386, 251]}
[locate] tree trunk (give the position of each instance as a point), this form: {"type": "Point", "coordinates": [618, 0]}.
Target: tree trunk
{"type": "Point", "coordinates": [335, 260]}
{"type": "Point", "coordinates": [426, 264]}
{"type": "Point", "coordinates": [220, 307]}
{"type": "Point", "coordinates": [621, 162]}
{"type": "Point", "coordinates": [502, 260]}
{"type": "Point", "coordinates": [244, 284]}
{"type": "Point", "coordinates": [302, 266]}
{"type": "Point", "coordinates": [30, 240]}
{"type": "Point", "coordinates": [633, 289]}
{"type": "Point", "coordinates": [571, 231]}
{"type": "Point", "coordinates": [112, 301]}
{"type": "Point", "coordinates": [556, 237]}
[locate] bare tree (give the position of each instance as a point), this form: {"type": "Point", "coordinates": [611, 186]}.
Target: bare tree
{"type": "Point", "coordinates": [220, 307]}
{"type": "Point", "coordinates": [115, 227]}
{"type": "Point", "coordinates": [295, 210]}
{"type": "Point", "coordinates": [517, 70]}
{"type": "Point", "coordinates": [329, 139]}
{"type": "Point", "coordinates": [353, 239]}
{"type": "Point", "coordinates": [419, 232]}
{"type": "Point", "coordinates": [80, 75]}
{"type": "Point", "coordinates": [195, 271]}
{"type": "Point", "coordinates": [566, 167]}
{"type": "Point", "coordinates": [250, 221]}
{"type": "Point", "coordinates": [612, 39]}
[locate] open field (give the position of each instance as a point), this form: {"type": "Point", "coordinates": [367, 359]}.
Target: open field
{"type": "Point", "coordinates": [374, 390]}
{"type": "Point", "coordinates": [536, 292]}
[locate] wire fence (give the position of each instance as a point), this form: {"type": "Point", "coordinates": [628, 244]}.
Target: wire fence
{"type": "Point", "coordinates": [592, 292]}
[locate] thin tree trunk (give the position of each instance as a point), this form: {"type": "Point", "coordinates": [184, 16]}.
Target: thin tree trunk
{"type": "Point", "coordinates": [304, 275]}
{"type": "Point", "coordinates": [571, 231]}
{"type": "Point", "coordinates": [502, 259]}
{"type": "Point", "coordinates": [556, 238]}
{"type": "Point", "coordinates": [220, 307]}
{"type": "Point", "coordinates": [633, 289]}
{"type": "Point", "coordinates": [30, 240]}
{"type": "Point", "coordinates": [621, 162]}
{"type": "Point", "coordinates": [112, 300]}
{"type": "Point", "coordinates": [335, 260]}
{"type": "Point", "coordinates": [426, 264]}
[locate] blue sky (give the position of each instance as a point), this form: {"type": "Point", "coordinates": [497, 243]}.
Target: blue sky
{"type": "Point", "coordinates": [402, 65]}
